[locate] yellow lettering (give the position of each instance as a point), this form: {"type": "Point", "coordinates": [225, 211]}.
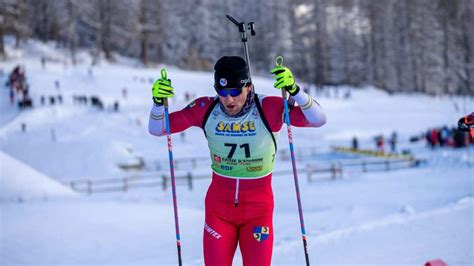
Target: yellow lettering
{"type": "Point", "coordinates": [245, 127]}
{"type": "Point", "coordinates": [235, 127]}
{"type": "Point", "coordinates": [227, 128]}
{"type": "Point", "coordinates": [220, 126]}
{"type": "Point", "coordinates": [252, 126]}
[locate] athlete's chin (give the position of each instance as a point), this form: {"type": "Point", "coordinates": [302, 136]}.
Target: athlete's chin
{"type": "Point", "coordinates": [232, 110]}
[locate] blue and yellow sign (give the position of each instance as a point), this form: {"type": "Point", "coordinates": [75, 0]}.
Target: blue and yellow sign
{"type": "Point", "coordinates": [261, 233]}
{"type": "Point", "coordinates": [236, 127]}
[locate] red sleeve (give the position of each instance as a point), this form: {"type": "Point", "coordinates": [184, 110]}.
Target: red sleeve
{"type": "Point", "coordinates": [191, 115]}
{"type": "Point", "coordinates": [273, 108]}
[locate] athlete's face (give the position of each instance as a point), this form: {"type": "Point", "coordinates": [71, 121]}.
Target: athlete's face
{"type": "Point", "coordinates": [233, 105]}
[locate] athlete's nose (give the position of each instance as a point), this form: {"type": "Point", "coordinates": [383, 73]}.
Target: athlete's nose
{"type": "Point", "coordinates": [229, 98]}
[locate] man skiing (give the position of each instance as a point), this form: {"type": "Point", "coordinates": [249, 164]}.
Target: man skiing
{"type": "Point", "coordinates": [242, 129]}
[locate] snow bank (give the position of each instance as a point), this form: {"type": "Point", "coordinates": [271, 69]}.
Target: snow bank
{"type": "Point", "coordinates": [20, 181]}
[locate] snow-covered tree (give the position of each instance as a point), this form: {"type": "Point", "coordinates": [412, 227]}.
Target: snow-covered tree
{"type": "Point", "coordinates": [14, 19]}
{"type": "Point", "coordinates": [420, 45]}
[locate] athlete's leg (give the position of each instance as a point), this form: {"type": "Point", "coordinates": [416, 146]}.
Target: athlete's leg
{"type": "Point", "coordinates": [256, 241]}
{"type": "Point", "coordinates": [220, 235]}
{"type": "Point", "coordinates": [220, 242]}
{"type": "Point", "coordinates": [256, 233]}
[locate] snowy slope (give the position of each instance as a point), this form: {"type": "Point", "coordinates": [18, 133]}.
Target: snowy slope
{"type": "Point", "coordinates": [404, 217]}
{"type": "Point", "coordinates": [399, 239]}
{"type": "Point", "coordinates": [19, 181]}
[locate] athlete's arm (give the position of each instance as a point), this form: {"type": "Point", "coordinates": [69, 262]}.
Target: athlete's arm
{"type": "Point", "coordinates": [191, 115]}
{"type": "Point", "coordinates": [308, 114]}
{"type": "Point", "coordinates": [312, 111]}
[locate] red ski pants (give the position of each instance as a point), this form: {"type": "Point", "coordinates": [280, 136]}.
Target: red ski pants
{"type": "Point", "coordinates": [249, 224]}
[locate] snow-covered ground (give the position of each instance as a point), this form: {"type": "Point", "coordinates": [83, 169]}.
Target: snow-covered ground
{"type": "Point", "coordinates": [403, 217]}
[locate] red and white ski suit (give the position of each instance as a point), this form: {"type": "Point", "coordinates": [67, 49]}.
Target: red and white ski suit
{"type": "Point", "coordinates": [250, 222]}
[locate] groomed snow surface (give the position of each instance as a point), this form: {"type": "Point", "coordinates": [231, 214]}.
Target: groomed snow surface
{"type": "Point", "coordinates": [402, 217]}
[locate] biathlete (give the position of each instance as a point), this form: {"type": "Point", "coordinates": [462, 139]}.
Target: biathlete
{"type": "Point", "coordinates": [241, 128]}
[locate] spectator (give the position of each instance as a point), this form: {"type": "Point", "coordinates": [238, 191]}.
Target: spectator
{"type": "Point", "coordinates": [116, 106]}
{"type": "Point", "coordinates": [428, 138]}
{"type": "Point", "coordinates": [393, 141]}
{"type": "Point", "coordinates": [460, 138]}
{"type": "Point", "coordinates": [466, 124]}
{"type": "Point", "coordinates": [380, 143]}
{"type": "Point", "coordinates": [12, 96]}
{"type": "Point", "coordinates": [444, 136]}
{"type": "Point", "coordinates": [347, 94]}
{"type": "Point", "coordinates": [355, 143]}
{"type": "Point", "coordinates": [434, 138]}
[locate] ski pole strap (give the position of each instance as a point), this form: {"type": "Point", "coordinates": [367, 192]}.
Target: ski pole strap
{"type": "Point", "coordinates": [279, 60]}
{"type": "Point", "coordinates": [163, 73]}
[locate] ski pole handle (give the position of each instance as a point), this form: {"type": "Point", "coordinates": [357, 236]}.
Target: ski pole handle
{"type": "Point", "coordinates": [283, 94]}
{"type": "Point", "coordinates": [163, 73]}
{"type": "Point", "coordinates": [164, 76]}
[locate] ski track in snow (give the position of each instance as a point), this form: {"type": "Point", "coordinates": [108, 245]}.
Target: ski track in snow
{"type": "Point", "coordinates": [396, 219]}
{"type": "Point", "coordinates": [393, 228]}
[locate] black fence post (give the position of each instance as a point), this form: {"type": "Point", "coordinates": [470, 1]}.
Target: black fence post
{"type": "Point", "coordinates": [333, 171]}
{"type": "Point", "coordinates": [190, 181]}
{"type": "Point", "coordinates": [308, 172]}
{"type": "Point", "coordinates": [164, 183]}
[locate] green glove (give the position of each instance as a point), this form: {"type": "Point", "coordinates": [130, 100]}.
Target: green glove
{"type": "Point", "coordinates": [162, 89]}
{"type": "Point", "coordinates": [285, 80]}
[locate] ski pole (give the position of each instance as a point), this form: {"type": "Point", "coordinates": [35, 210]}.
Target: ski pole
{"type": "Point", "coordinates": [173, 179]}
{"type": "Point", "coordinates": [242, 29]}
{"type": "Point", "coordinates": [279, 62]}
